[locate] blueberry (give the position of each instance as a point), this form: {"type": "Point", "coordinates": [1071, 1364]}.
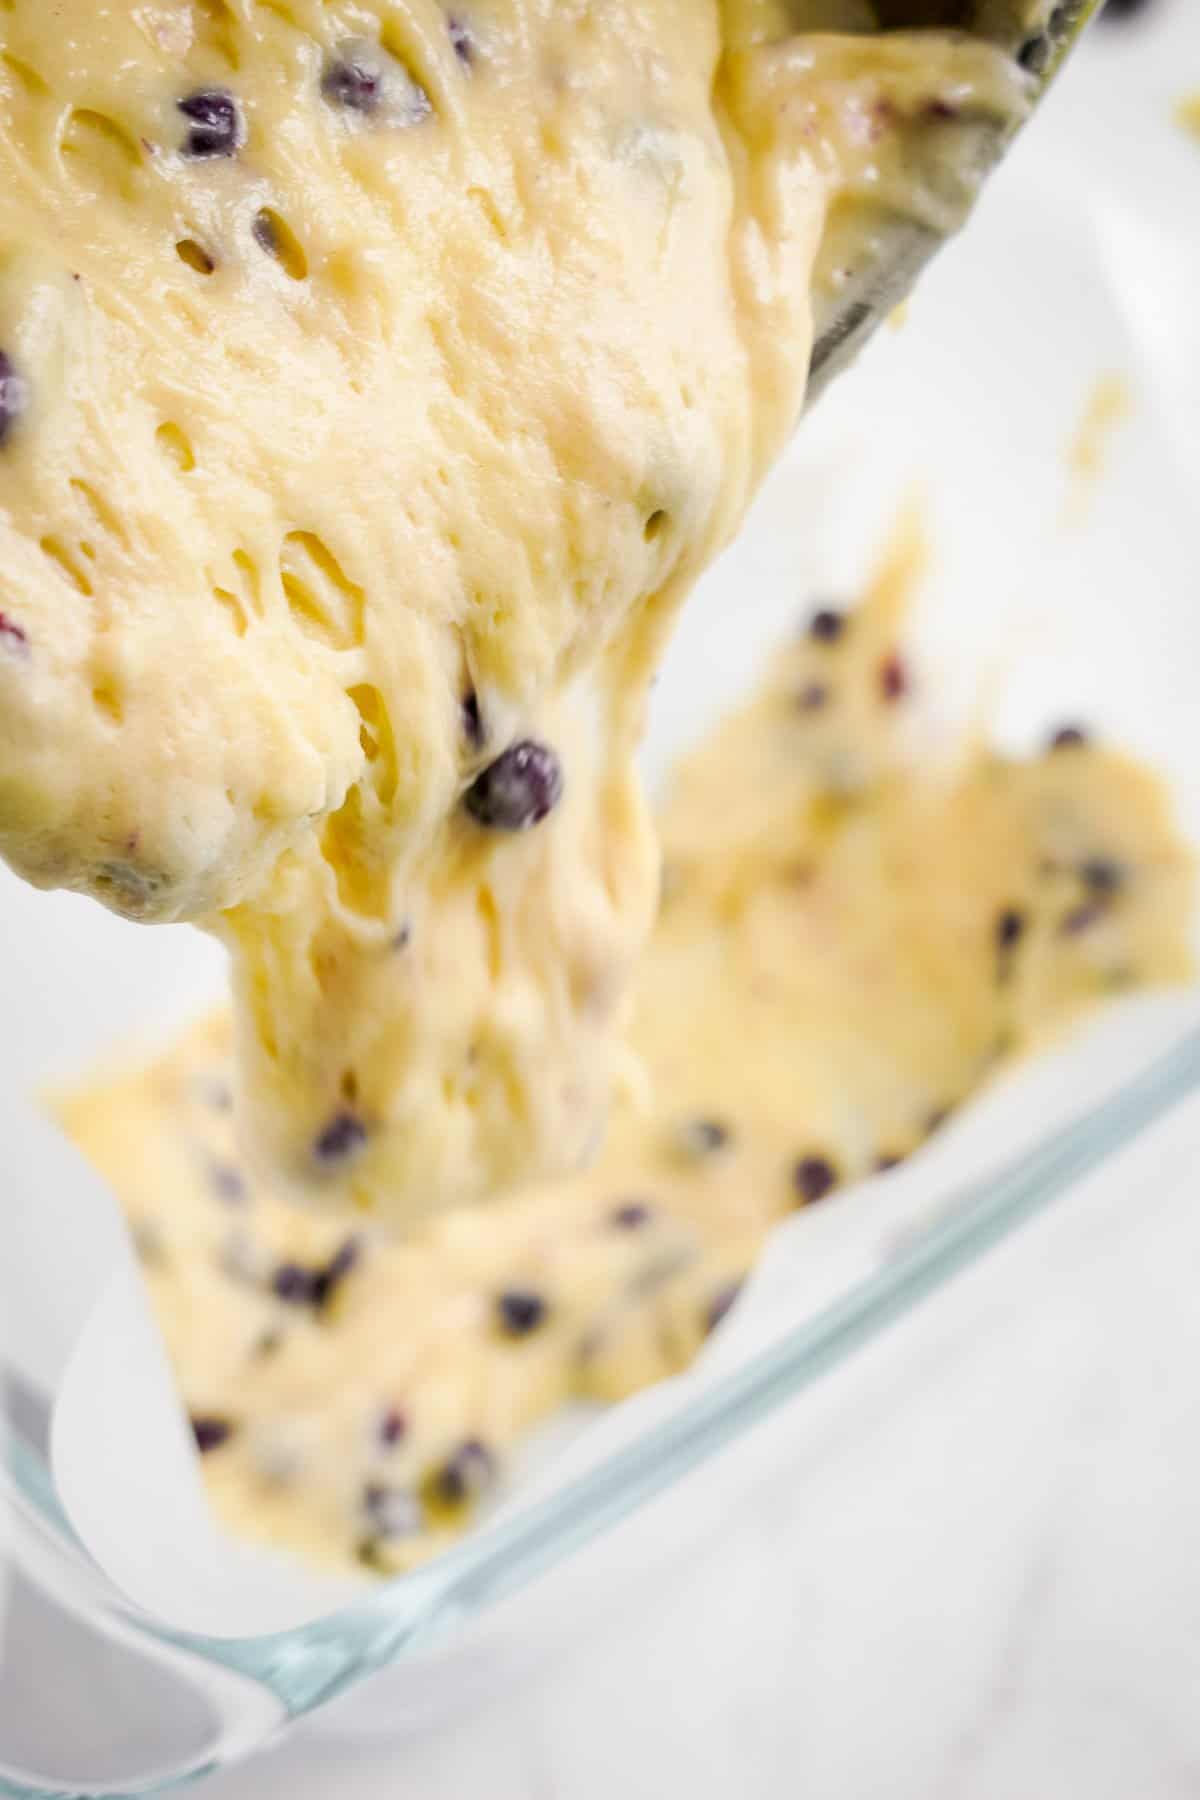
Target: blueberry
{"type": "Point", "coordinates": [518, 790]}
{"type": "Point", "coordinates": [343, 1137]}
{"type": "Point", "coordinates": [210, 1432]}
{"type": "Point", "coordinates": [1010, 927]}
{"type": "Point", "coordinates": [295, 1284]}
{"type": "Point", "coordinates": [327, 1280]}
{"type": "Point", "coordinates": [14, 397]}
{"type": "Point", "coordinates": [461, 39]}
{"type": "Point", "coordinates": [465, 1475]}
{"type": "Point", "coordinates": [813, 697]}
{"type": "Point", "coordinates": [218, 128]}
{"type": "Point", "coordinates": [704, 1137]}
{"type": "Point", "coordinates": [1101, 875]}
{"type": "Point", "coordinates": [631, 1215]}
{"type": "Point", "coordinates": [721, 1304]}
{"type": "Point", "coordinates": [353, 79]}
{"type": "Point", "coordinates": [392, 1427]}
{"type": "Point", "coordinates": [1068, 737]}
{"type": "Point", "coordinates": [392, 1512]}
{"type": "Point", "coordinates": [13, 637]}
{"type": "Point", "coordinates": [893, 678]}
{"type": "Point", "coordinates": [813, 1177]}
{"type": "Point", "coordinates": [472, 721]}
{"type": "Point", "coordinates": [827, 625]}
{"type": "Point", "coordinates": [520, 1311]}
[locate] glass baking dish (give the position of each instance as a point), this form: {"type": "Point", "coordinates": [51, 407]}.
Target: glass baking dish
{"type": "Point", "coordinates": [977, 403]}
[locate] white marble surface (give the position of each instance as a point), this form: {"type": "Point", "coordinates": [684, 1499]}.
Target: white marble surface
{"type": "Point", "coordinates": [986, 1585]}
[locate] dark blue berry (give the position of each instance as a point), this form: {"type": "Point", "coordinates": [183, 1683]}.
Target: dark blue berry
{"type": "Point", "coordinates": [354, 80]}
{"type": "Point", "coordinates": [295, 1284]}
{"type": "Point", "coordinates": [520, 1311]}
{"type": "Point", "coordinates": [217, 125]}
{"type": "Point", "coordinates": [827, 625]}
{"type": "Point", "coordinates": [1101, 875]}
{"type": "Point", "coordinates": [466, 1475]}
{"type": "Point", "coordinates": [461, 39]}
{"type": "Point", "coordinates": [472, 721]}
{"type": "Point", "coordinates": [813, 1177]}
{"type": "Point", "coordinates": [1010, 927]}
{"type": "Point", "coordinates": [14, 397]}
{"type": "Point", "coordinates": [342, 1138]}
{"type": "Point", "coordinates": [1068, 737]}
{"type": "Point", "coordinates": [210, 1432]}
{"type": "Point", "coordinates": [518, 790]}
{"type": "Point", "coordinates": [327, 1280]}
{"type": "Point", "coordinates": [393, 1426]}
{"type": "Point", "coordinates": [631, 1215]}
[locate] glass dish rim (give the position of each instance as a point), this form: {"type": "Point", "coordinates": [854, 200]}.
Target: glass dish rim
{"type": "Point", "coordinates": [306, 1666]}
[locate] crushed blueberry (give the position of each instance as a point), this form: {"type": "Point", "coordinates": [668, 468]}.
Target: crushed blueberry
{"type": "Point", "coordinates": [342, 1138]}
{"type": "Point", "coordinates": [520, 1311]}
{"type": "Point", "coordinates": [218, 128]}
{"type": "Point", "coordinates": [631, 1215]}
{"type": "Point", "coordinates": [227, 1183]}
{"type": "Point", "coordinates": [461, 39]}
{"type": "Point", "coordinates": [1068, 737]}
{"type": "Point", "coordinates": [1035, 52]}
{"type": "Point", "coordinates": [721, 1304]}
{"type": "Point", "coordinates": [353, 79]}
{"type": "Point", "coordinates": [1010, 927]}
{"type": "Point", "coordinates": [1101, 875]}
{"type": "Point", "coordinates": [392, 1512]}
{"type": "Point", "coordinates": [14, 397]}
{"type": "Point", "coordinates": [13, 637]}
{"type": "Point", "coordinates": [893, 678]}
{"type": "Point", "coordinates": [518, 790]}
{"type": "Point", "coordinates": [210, 1432]}
{"type": "Point", "coordinates": [472, 721]}
{"type": "Point", "coordinates": [704, 1137]}
{"type": "Point", "coordinates": [813, 697]}
{"type": "Point", "coordinates": [466, 1475]}
{"type": "Point", "coordinates": [827, 625]}
{"type": "Point", "coordinates": [393, 1426]}
{"type": "Point", "coordinates": [813, 1177]}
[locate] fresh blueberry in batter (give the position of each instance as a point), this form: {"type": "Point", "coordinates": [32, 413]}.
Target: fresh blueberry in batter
{"type": "Point", "coordinates": [343, 1137]}
{"type": "Point", "coordinates": [14, 397]}
{"type": "Point", "coordinates": [518, 790]}
{"type": "Point", "coordinates": [218, 128]}
{"type": "Point", "coordinates": [210, 1432]}
{"type": "Point", "coordinates": [520, 1311]}
{"type": "Point", "coordinates": [813, 1177]}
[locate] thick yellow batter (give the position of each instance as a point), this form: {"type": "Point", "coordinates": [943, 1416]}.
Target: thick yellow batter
{"type": "Point", "coordinates": [375, 378]}
{"type": "Point", "coordinates": [848, 945]}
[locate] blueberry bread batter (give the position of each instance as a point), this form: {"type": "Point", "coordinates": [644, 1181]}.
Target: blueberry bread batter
{"type": "Point", "coordinates": [848, 944]}
{"type": "Point", "coordinates": [375, 378]}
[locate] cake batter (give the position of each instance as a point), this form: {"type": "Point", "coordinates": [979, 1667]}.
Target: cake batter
{"type": "Point", "coordinates": [849, 944]}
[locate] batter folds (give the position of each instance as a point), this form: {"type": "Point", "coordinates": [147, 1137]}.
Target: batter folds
{"type": "Point", "coordinates": [375, 378]}
{"type": "Point", "coordinates": [848, 945]}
